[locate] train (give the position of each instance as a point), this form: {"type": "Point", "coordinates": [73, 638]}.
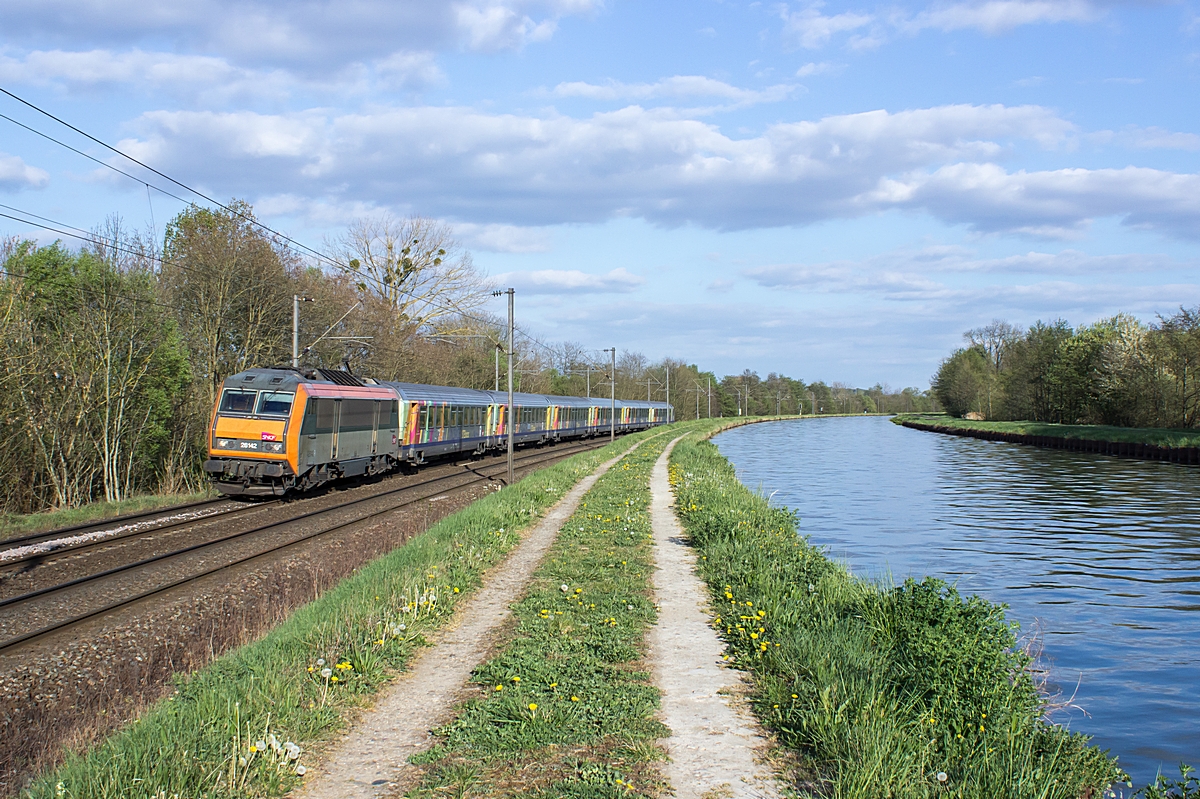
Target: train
{"type": "Point", "coordinates": [280, 430]}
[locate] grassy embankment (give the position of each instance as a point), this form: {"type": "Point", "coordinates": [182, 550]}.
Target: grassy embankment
{"type": "Point", "coordinates": [14, 524]}
{"type": "Point", "coordinates": [1153, 436]}
{"type": "Point", "coordinates": [566, 708]}
{"type": "Point", "coordinates": [912, 691]}
{"type": "Point", "coordinates": [226, 729]}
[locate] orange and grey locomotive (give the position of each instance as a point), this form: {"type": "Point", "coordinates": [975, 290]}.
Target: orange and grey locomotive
{"type": "Point", "coordinates": [279, 429]}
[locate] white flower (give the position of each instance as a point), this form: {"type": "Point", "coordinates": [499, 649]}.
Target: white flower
{"type": "Point", "coordinates": [301, 770]}
{"type": "Point", "coordinates": [274, 742]}
{"type": "Point", "coordinates": [320, 661]}
{"type": "Point", "coordinates": [629, 607]}
{"type": "Point", "coordinates": [260, 746]}
{"type": "Point", "coordinates": [327, 673]}
{"type": "Point", "coordinates": [942, 776]}
{"type": "Point", "coordinates": [564, 588]}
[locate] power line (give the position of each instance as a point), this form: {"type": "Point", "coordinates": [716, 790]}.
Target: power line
{"type": "Point", "coordinates": [92, 158]}
{"type": "Point", "coordinates": [88, 236]}
{"type": "Point", "coordinates": [167, 177]}
{"type": "Point", "coordinates": [321, 256]}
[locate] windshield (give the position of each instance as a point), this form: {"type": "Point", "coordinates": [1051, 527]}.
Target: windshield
{"type": "Point", "coordinates": [236, 400]}
{"type": "Point", "coordinates": [275, 403]}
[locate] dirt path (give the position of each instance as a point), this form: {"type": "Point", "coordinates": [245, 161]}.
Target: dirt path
{"type": "Point", "coordinates": [715, 742]}
{"type": "Point", "coordinates": [373, 758]}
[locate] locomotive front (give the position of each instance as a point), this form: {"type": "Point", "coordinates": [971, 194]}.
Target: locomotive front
{"type": "Point", "coordinates": [254, 435]}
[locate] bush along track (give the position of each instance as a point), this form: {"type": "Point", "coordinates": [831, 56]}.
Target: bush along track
{"type": "Point", "coordinates": [912, 691]}
{"type": "Point", "coordinates": [567, 708]}
{"type": "Point", "coordinates": [247, 724]}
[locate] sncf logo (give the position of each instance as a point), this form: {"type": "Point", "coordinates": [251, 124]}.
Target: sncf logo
{"type": "Point", "coordinates": [268, 437]}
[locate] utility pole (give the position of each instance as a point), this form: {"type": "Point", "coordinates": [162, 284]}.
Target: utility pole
{"type": "Point", "coordinates": [710, 396]}
{"type": "Point", "coordinates": [509, 411]}
{"type": "Point", "coordinates": [612, 411]}
{"type": "Point", "coordinates": [510, 293]}
{"type": "Point", "coordinates": [669, 391]}
{"type": "Point", "coordinates": [296, 300]}
{"type": "Point", "coordinates": [813, 398]}
{"type": "Point", "coordinates": [497, 366]}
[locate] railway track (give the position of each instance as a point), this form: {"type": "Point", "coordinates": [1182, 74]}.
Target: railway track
{"type": "Point", "coordinates": [35, 615]}
{"type": "Point", "coordinates": [16, 553]}
{"type": "Point", "coordinates": [145, 520]}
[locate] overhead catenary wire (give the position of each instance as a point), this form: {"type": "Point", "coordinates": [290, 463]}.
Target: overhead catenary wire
{"type": "Point", "coordinates": [162, 175]}
{"type": "Point", "coordinates": [90, 239]}
{"type": "Point", "coordinates": [92, 158]}
{"type": "Point", "coordinates": [318, 254]}
{"type": "Point", "coordinates": [313, 252]}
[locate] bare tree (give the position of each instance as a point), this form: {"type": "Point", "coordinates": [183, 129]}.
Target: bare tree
{"type": "Point", "coordinates": [413, 268]}
{"type": "Point", "coordinates": [995, 339]}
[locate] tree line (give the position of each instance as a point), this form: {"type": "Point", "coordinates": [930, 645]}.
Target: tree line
{"type": "Point", "coordinates": [113, 353]}
{"type": "Point", "coordinates": [1117, 371]}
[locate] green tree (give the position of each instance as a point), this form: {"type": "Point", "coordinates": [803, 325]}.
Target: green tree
{"type": "Point", "coordinates": [963, 382]}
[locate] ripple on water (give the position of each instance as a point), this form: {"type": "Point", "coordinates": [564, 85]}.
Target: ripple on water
{"type": "Point", "coordinates": [1102, 553]}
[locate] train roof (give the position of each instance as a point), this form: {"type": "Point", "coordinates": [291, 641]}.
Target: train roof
{"type": "Point", "coordinates": [288, 378]}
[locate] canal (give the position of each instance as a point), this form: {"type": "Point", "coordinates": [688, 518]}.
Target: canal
{"type": "Point", "coordinates": [1101, 554]}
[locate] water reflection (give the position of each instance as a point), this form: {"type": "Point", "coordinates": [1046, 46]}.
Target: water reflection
{"type": "Point", "coordinates": [1102, 553]}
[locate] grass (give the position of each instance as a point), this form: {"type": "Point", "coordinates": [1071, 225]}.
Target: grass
{"type": "Point", "coordinates": [566, 708]}
{"type": "Point", "coordinates": [911, 692]}
{"type": "Point", "coordinates": [1157, 436]}
{"type": "Point", "coordinates": [226, 729]}
{"type": "Point", "coordinates": [14, 524]}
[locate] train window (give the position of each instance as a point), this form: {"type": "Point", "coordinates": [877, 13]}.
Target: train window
{"type": "Point", "coordinates": [275, 403]}
{"type": "Point", "coordinates": [394, 419]}
{"type": "Point", "coordinates": [424, 418]}
{"type": "Point", "coordinates": [237, 401]}
{"type": "Point", "coordinates": [357, 415]}
{"type": "Point", "coordinates": [326, 414]}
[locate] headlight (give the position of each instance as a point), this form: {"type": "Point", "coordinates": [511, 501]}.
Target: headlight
{"type": "Point", "coordinates": [224, 443]}
{"type": "Point", "coordinates": [274, 446]}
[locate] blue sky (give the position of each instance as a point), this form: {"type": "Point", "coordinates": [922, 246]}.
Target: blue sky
{"type": "Point", "coordinates": [831, 190]}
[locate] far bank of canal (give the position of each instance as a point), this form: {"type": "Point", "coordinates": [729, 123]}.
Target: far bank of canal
{"type": "Point", "coordinates": [1103, 553]}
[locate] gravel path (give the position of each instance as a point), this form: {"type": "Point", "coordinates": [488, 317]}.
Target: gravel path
{"type": "Point", "coordinates": [373, 758]}
{"type": "Point", "coordinates": [716, 748]}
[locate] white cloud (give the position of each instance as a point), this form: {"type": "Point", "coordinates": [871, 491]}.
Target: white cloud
{"type": "Point", "coordinates": [904, 273]}
{"type": "Point", "coordinates": [311, 37]}
{"type": "Point", "coordinates": [209, 79]}
{"type": "Point", "coordinates": [812, 30]}
{"type": "Point", "coordinates": [571, 281]}
{"type": "Point", "coordinates": [1158, 138]}
{"type": "Point", "coordinates": [496, 26]}
{"type": "Point", "coordinates": [812, 68]}
{"type": "Point", "coordinates": [503, 238]}
{"type": "Point", "coordinates": [1000, 16]}
{"type": "Point", "coordinates": [677, 87]}
{"type": "Point", "coordinates": [1057, 203]}
{"type": "Point", "coordinates": [468, 165]}
{"type": "Point", "coordinates": [15, 174]}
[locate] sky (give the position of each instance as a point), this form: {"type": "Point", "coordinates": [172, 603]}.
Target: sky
{"type": "Point", "coordinates": [832, 191]}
